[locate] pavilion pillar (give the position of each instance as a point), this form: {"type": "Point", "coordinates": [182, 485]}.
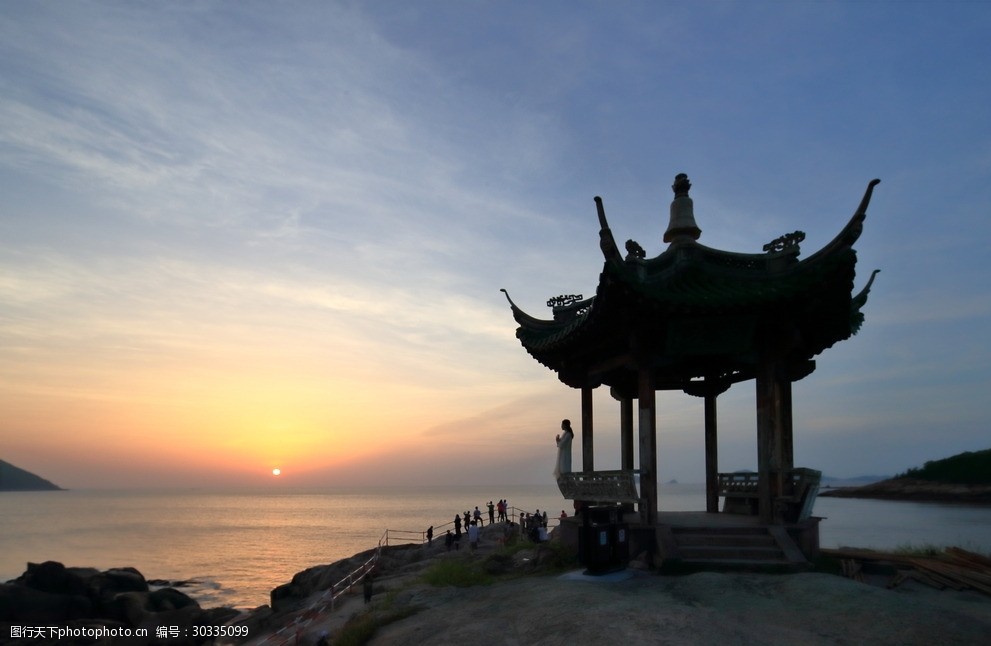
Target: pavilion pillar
{"type": "Point", "coordinates": [774, 441]}
{"type": "Point", "coordinates": [588, 456]}
{"type": "Point", "coordinates": [626, 433]}
{"type": "Point", "coordinates": [711, 455]}
{"type": "Point", "coordinates": [648, 447]}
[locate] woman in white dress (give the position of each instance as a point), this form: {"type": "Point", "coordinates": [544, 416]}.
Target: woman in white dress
{"type": "Point", "coordinates": [564, 449]}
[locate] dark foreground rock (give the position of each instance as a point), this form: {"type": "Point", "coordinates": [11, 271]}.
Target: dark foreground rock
{"type": "Point", "coordinates": [51, 603]}
{"type": "Point", "coordinates": [913, 489]}
{"type": "Point", "coordinates": [529, 597]}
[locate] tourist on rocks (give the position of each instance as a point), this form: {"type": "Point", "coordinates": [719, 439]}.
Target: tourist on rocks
{"type": "Point", "coordinates": [478, 516]}
{"type": "Point", "coordinates": [367, 587]}
{"type": "Point", "coordinates": [457, 526]}
{"type": "Point", "coordinates": [430, 535]}
{"type": "Point", "coordinates": [449, 540]}
{"type": "Point", "coordinates": [501, 507]}
{"type": "Point", "coordinates": [467, 520]}
{"type": "Point", "coordinates": [491, 513]}
{"type": "Point", "coordinates": [473, 535]}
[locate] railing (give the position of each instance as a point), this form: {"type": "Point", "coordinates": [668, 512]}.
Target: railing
{"type": "Point", "coordinates": [293, 631]}
{"type": "Point", "coordinates": [600, 486]}
{"type": "Point", "coordinates": [327, 601]}
{"type": "Point", "coordinates": [738, 485]}
{"type": "Point", "coordinates": [741, 491]}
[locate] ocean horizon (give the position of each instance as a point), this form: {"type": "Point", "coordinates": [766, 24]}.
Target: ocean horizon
{"type": "Point", "coordinates": [235, 545]}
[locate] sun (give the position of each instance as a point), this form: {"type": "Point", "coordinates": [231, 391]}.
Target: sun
{"type": "Point", "coordinates": [276, 472]}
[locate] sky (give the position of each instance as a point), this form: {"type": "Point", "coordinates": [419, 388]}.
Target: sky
{"type": "Point", "coordinates": [240, 236]}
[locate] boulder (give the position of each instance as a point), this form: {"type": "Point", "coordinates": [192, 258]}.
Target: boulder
{"type": "Point", "coordinates": [29, 606]}
{"type": "Point", "coordinates": [52, 576]}
{"type": "Point", "coordinates": [169, 599]}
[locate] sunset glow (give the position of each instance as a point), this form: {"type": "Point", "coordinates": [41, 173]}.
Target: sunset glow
{"type": "Point", "coordinates": [237, 236]}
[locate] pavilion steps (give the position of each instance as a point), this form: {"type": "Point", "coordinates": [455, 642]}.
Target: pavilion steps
{"type": "Point", "coordinates": [759, 548]}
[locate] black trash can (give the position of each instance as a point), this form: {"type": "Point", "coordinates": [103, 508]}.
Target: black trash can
{"type": "Point", "coordinates": [604, 540]}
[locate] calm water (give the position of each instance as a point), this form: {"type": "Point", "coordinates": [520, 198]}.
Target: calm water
{"type": "Point", "coordinates": [240, 544]}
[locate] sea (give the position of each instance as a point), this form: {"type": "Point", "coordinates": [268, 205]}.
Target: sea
{"type": "Point", "coordinates": [232, 547]}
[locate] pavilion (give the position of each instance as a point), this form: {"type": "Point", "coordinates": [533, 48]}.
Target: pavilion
{"type": "Point", "coordinates": [699, 320]}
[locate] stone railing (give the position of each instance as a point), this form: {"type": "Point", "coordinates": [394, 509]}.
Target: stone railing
{"type": "Point", "coordinates": [600, 486]}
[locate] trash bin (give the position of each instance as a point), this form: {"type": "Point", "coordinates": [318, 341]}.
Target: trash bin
{"type": "Point", "coordinates": [604, 540]}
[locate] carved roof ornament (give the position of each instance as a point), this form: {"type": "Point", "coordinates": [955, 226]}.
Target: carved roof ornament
{"type": "Point", "coordinates": [634, 251]}
{"type": "Point", "coordinates": [567, 306]}
{"type": "Point", "coordinates": [787, 241]}
{"type": "Point", "coordinates": [564, 300]}
{"type": "Point", "coordinates": [681, 226]}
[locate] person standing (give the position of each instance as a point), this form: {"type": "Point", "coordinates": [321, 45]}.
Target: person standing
{"type": "Point", "coordinates": [563, 449]}
{"type": "Point", "coordinates": [473, 535]}
{"type": "Point", "coordinates": [448, 540]}
{"type": "Point", "coordinates": [491, 513]}
{"type": "Point", "coordinates": [367, 587]}
{"type": "Point", "coordinates": [430, 535]}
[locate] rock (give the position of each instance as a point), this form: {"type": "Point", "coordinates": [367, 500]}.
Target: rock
{"type": "Point", "coordinates": [50, 594]}
{"type": "Point", "coordinates": [52, 576]}
{"type": "Point", "coordinates": [29, 606]}
{"type": "Point", "coordinates": [169, 599]}
{"type": "Point", "coordinates": [129, 607]}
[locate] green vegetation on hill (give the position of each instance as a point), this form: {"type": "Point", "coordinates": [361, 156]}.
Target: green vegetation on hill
{"type": "Point", "coordinates": [971, 467]}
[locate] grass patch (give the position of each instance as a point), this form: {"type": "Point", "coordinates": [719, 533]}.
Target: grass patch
{"type": "Point", "coordinates": [457, 572]}
{"type": "Point", "coordinates": [925, 549]}
{"type": "Point", "coordinates": [359, 630]}
{"type": "Point", "coordinates": [554, 555]}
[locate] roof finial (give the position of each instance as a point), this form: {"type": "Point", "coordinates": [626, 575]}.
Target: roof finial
{"type": "Point", "coordinates": [681, 226]}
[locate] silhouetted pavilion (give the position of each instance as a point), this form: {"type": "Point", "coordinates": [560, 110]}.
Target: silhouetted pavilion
{"type": "Point", "coordinates": [698, 319]}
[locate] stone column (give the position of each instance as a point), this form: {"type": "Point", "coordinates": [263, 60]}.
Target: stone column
{"type": "Point", "coordinates": [773, 447]}
{"type": "Point", "coordinates": [626, 433]}
{"type": "Point", "coordinates": [648, 447]}
{"type": "Point", "coordinates": [588, 457]}
{"type": "Point", "coordinates": [711, 455]}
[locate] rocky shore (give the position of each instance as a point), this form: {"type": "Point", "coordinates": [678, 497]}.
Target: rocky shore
{"type": "Point", "coordinates": [524, 594]}
{"type": "Point", "coordinates": [512, 592]}
{"type": "Point", "coordinates": [913, 489]}
{"type": "Point", "coordinates": [51, 603]}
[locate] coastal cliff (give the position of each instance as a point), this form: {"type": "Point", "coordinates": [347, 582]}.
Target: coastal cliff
{"type": "Point", "coordinates": [964, 478]}
{"type": "Point", "coordinates": [16, 479]}
{"type": "Point", "coordinates": [914, 489]}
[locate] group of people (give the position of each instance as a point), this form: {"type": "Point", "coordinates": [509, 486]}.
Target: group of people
{"type": "Point", "coordinates": [472, 522]}
{"type": "Point", "coordinates": [534, 526]}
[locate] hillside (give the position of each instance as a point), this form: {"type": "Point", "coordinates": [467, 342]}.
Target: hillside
{"type": "Point", "coordinates": [970, 467]}
{"type": "Point", "coordinates": [16, 479]}
{"type": "Point", "coordinates": [965, 477]}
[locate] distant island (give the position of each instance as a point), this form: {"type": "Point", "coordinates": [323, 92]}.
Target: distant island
{"type": "Point", "coordinates": [965, 477]}
{"type": "Point", "coordinates": [16, 479]}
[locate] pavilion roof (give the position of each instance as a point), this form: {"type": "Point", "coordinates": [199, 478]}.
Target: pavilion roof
{"type": "Point", "coordinates": [696, 312]}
